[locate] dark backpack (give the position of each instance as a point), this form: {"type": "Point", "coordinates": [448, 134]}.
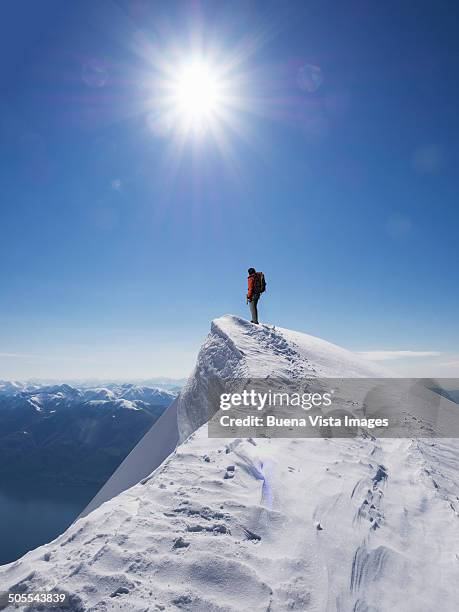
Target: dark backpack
{"type": "Point", "coordinates": [260, 283]}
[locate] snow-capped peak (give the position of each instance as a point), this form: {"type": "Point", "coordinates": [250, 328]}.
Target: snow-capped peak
{"type": "Point", "coordinates": [227, 525]}
{"type": "Point", "coordinates": [236, 348]}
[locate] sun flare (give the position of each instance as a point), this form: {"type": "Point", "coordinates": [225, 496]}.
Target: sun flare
{"type": "Point", "coordinates": [196, 96]}
{"type": "Point", "coordinates": [197, 92]}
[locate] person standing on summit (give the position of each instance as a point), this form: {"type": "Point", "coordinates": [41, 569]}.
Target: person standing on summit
{"type": "Point", "coordinates": [256, 286]}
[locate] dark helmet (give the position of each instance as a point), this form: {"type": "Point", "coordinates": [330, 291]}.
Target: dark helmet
{"type": "Point", "coordinates": [251, 270]}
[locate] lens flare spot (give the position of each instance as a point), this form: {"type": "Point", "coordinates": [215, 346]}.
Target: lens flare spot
{"type": "Point", "coordinates": [95, 74]}
{"type": "Point", "coordinates": [309, 78]}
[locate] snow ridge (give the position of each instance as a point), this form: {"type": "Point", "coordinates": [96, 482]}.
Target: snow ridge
{"type": "Point", "coordinates": [218, 357]}
{"type": "Point", "coordinates": [230, 525]}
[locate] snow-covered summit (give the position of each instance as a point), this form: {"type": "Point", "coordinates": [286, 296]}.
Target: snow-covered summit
{"type": "Point", "coordinates": [271, 350]}
{"type": "Point", "coordinates": [235, 348]}
{"type": "Point", "coordinates": [10, 387]}
{"type": "Point", "coordinates": [227, 525]}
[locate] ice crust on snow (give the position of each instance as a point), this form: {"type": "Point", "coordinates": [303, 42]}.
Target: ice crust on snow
{"type": "Point", "coordinates": [268, 524]}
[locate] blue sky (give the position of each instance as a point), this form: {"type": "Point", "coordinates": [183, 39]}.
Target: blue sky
{"type": "Point", "coordinates": [118, 247]}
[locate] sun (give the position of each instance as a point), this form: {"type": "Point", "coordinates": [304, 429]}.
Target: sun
{"type": "Point", "coordinates": [197, 92]}
{"type": "Point", "coordinates": [195, 96]}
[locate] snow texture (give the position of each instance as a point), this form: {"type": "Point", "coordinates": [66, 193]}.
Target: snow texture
{"type": "Point", "coordinates": [227, 525]}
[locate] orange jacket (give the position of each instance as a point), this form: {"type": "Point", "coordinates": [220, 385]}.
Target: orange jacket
{"type": "Point", "coordinates": [251, 285]}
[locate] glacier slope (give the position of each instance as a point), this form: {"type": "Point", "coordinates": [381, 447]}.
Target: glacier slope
{"type": "Point", "coordinates": [267, 524]}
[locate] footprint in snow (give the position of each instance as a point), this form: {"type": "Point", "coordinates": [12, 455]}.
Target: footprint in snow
{"type": "Point", "coordinates": [120, 591]}
{"type": "Point", "coordinates": [250, 535]}
{"type": "Point", "coordinates": [180, 543]}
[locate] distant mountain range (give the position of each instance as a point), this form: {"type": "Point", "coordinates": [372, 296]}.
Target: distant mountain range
{"type": "Point", "coordinates": [63, 434]}
{"type": "Point", "coordinates": [169, 384]}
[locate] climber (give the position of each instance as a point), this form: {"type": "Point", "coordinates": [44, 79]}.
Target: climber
{"type": "Point", "coordinates": [256, 286]}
